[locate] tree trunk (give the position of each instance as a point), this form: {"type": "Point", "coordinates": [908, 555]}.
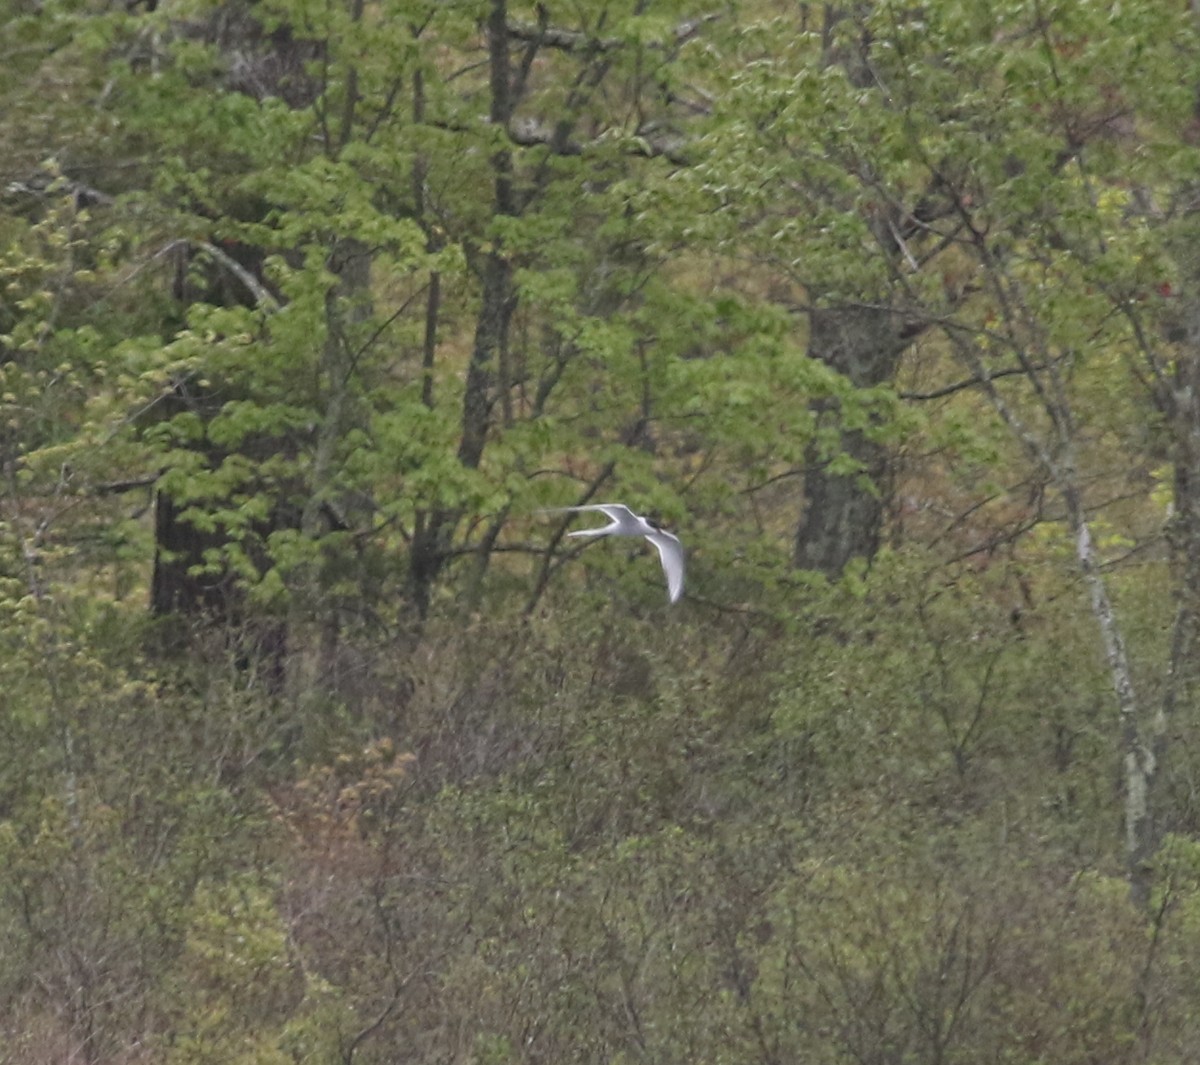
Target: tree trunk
{"type": "Point", "coordinates": [268, 64]}
{"type": "Point", "coordinates": [498, 300]}
{"type": "Point", "coordinates": [176, 585]}
{"type": "Point", "coordinates": [843, 513]}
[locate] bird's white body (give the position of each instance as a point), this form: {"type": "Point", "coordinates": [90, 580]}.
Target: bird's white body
{"type": "Point", "coordinates": [624, 522]}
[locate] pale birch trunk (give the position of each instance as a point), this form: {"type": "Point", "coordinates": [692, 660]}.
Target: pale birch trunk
{"type": "Point", "coordinates": [1140, 731]}
{"type": "Point", "coordinates": [312, 630]}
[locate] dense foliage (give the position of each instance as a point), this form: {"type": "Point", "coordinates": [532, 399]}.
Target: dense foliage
{"type": "Point", "coordinates": [322, 744]}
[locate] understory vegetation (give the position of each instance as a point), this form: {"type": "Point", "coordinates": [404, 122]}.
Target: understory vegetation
{"type": "Point", "coordinates": [881, 827]}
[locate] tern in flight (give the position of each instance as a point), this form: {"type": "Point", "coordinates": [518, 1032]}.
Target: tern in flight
{"type": "Point", "coordinates": [624, 522]}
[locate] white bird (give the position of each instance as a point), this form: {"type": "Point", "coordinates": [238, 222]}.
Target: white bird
{"type": "Point", "coordinates": [624, 522]}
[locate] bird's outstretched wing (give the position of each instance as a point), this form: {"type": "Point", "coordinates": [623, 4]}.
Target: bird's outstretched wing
{"type": "Point", "coordinates": [670, 553]}
{"type": "Point", "coordinates": [616, 511]}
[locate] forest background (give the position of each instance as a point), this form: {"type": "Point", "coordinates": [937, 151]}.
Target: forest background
{"type": "Point", "coordinates": [318, 743]}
